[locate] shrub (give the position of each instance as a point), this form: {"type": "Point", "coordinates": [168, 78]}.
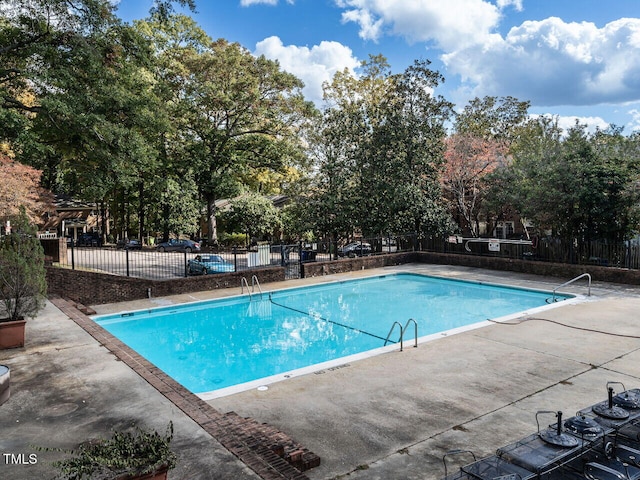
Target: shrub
{"type": "Point", "coordinates": [124, 454]}
{"type": "Point", "coordinates": [22, 274]}
{"type": "Point", "coordinates": [233, 239]}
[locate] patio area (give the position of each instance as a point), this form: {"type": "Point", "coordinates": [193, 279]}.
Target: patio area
{"type": "Point", "coordinates": [385, 417]}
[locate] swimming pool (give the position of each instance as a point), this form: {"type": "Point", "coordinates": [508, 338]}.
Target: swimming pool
{"type": "Point", "coordinates": [213, 346]}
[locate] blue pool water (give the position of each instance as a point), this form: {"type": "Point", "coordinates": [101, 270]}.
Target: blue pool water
{"type": "Point", "coordinates": [210, 345]}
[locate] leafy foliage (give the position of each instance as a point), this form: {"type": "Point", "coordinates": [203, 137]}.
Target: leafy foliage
{"type": "Point", "coordinates": [469, 159]}
{"type": "Point", "coordinates": [20, 186]}
{"type": "Point", "coordinates": [125, 453]}
{"type": "Point", "coordinates": [252, 214]}
{"type": "Point", "coordinates": [380, 151]}
{"type": "Point", "coordinates": [579, 186]}
{"type": "Point", "coordinates": [241, 114]}
{"type": "Point", "coordinates": [154, 121]}
{"type": "Point", "coordinates": [22, 274]}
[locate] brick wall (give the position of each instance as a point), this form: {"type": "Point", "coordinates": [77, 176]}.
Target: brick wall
{"type": "Point", "coordinates": [316, 269]}
{"type": "Point", "coordinates": [91, 288]}
{"type": "Point", "coordinates": [560, 270]}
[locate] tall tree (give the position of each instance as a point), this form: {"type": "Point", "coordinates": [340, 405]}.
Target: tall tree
{"type": "Point", "coordinates": [74, 96]}
{"type": "Point", "coordinates": [241, 112]}
{"type": "Point", "coordinates": [384, 150]}
{"type": "Point", "coordinates": [484, 132]}
{"type": "Point", "coordinates": [469, 159]}
{"type": "Point", "coordinates": [580, 186]}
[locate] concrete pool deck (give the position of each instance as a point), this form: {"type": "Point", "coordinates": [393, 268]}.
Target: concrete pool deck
{"type": "Point", "coordinates": [392, 416]}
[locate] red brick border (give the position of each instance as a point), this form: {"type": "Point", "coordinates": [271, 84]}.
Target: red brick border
{"type": "Point", "coordinates": [268, 452]}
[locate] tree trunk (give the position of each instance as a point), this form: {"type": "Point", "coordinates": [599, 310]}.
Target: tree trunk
{"type": "Point", "coordinates": [141, 218]}
{"type": "Point", "coordinates": [105, 227]}
{"type": "Point", "coordinates": [212, 233]}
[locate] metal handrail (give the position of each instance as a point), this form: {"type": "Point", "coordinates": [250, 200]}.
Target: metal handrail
{"type": "Point", "coordinates": [254, 282]}
{"type": "Point", "coordinates": [243, 282]}
{"type": "Point", "coordinates": [571, 281]}
{"type": "Point", "coordinates": [402, 330]}
{"type": "Point", "coordinates": [415, 324]}
{"type": "Point", "coordinates": [391, 331]}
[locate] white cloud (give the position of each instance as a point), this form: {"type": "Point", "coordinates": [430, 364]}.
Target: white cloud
{"type": "Point", "coordinates": [566, 122]}
{"type": "Point", "coordinates": [517, 4]}
{"type": "Point", "coordinates": [450, 24]}
{"type": "Point", "coordinates": [248, 3]}
{"type": "Point", "coordinates": [313, 65]}
{"type": "Point", "coordinates": [634, 124]}
{"type": "Point", "coordinates": [592, 123]}
{"type": "Point", "coordinates": [551, 62]}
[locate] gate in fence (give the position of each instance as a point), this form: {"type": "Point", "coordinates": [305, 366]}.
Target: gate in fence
{"type": "Point", "coordinates": [290, 260]}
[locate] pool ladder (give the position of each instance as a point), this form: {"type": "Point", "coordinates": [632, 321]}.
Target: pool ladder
{"type": "Point", "coordinates": [254, 283]}
{"type": "Point", "coordinates": [402, 330]}
{"type": "Point", "coordinates": [584, 275]}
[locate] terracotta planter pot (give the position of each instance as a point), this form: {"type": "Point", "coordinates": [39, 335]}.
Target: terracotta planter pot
{"type": "Point", "coordinates": [12, 333]}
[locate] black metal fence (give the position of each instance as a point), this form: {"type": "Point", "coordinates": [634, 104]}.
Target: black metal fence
{"type": "Point", "coordinates": [150, 263]}
{"type": "Point", "coordinates": [623, 255]}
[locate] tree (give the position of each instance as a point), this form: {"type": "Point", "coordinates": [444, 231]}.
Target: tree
{"type": "Point", "coordinates": [469, 159]}
{"type": "Point", "coordinates": [22, 274]}
{"type": "Point", "coordinates": [240, 113]}
{"type": "Point", "coordinates": [20, 187]}
{"type": "Point", "coordinates": [383, 151]}
{"type": "Point", "coordinates": [252, 214]}
{"type": "Point", "coordinates": [77, 100]}
{"type": "Point", "coordinates": [484, 132]}
{"type": "Point", "coordinates": [582, 187]}
{"type": "Point", "coordinates": [496, 118]}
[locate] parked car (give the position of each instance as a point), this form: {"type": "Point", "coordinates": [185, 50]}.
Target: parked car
{"type": "Point", "coordinates": [129, 244]}
{"type": "Point", "coordinates": [356, 249]}
{"type": "Point", "coordinates": [89, 240]}
{"type": "Point", "coordinates": [205, 264]}
{"type": "Point", "coordinates": [174, 245]}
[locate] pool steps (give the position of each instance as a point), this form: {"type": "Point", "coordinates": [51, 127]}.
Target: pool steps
{"type": "Point", "coordinates": [402, 330]}
{"type": "Point", "coordinates": [254, 283]}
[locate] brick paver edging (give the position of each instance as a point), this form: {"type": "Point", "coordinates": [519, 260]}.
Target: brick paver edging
{"type": "Point", "coordinates": [269, 453]}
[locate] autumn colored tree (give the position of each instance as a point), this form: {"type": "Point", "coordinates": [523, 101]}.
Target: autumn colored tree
{"type": "Point", "coordinates": [20, 187]}
{"type": "Point", "coordinates": [484, 134]}
{"type": "Point", "coordinates": [469, 159]}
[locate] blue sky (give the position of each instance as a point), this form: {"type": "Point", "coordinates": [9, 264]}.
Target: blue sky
{"type": "Point", "coordinates": [569, 58]}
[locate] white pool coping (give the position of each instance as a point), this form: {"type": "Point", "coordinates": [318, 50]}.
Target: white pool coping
{"type": "Point", "coordinates": [335, 364]}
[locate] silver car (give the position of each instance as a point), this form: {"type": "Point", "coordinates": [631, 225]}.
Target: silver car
{"type": "Point", "coordinates": [174, 245]}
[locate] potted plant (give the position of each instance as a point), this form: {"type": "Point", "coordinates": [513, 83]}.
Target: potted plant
{"type": "Point", "coordinates": [142, 454]}
{"type": "Point", "coordinates": [22, 279]}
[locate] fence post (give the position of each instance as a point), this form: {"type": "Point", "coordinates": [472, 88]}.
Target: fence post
{"type": "Point", "coordinates": [73, 260]}
{"type": "Point", "coordinates": [126, 256]}
{"type": "Point", "coordinates": [300, 267]}
{"type": "Point", "coordinates": [185, 263]}
{"type": "Point", "coordinates": [235, 259]}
